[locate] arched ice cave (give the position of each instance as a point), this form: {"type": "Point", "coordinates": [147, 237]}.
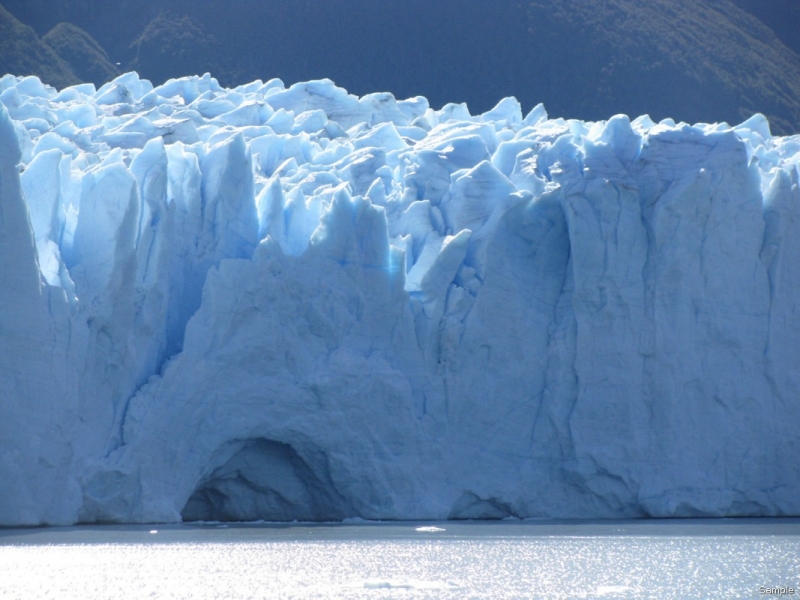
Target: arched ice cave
{"type": "Point", "coordinates": [267, 480]}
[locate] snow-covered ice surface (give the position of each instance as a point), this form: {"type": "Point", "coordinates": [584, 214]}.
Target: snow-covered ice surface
{"type": "Point", "coordinates": [293, 303]}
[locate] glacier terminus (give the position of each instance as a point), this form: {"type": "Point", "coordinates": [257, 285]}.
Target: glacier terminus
{"type": "Point", "coordinates": [292, 303]}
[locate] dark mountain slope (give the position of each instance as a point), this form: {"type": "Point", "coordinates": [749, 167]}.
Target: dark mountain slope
{"type": "Point", "coordinates": [173, 45]}
{"type": "Point", "coordinates": [781, 16]}
{"type": "Point", "coordinates": [23, 53]}
{"type": "Point", "coordinates": [693, 60]}
{"type": "Point", "coordinates": [114, 24]}
{"type": "Point", "coordinates": [85, 56]}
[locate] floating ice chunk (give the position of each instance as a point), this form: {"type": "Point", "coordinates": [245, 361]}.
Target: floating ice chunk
{"type": "Point", "coordinates": [607, 590]}
{"type": "Point", "coordinates": [377, 584]}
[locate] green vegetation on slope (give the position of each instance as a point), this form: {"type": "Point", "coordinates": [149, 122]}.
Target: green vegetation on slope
{"type": "Point", "coordinates": [693, 60]}
{"type": "Point", "coordinates": [173, 45]}
{"type": "Point", "coordinates": [85, 56]}
{"type": "Point", "coordinates": [23, 53]}
{"type": "Point", "coordinates": [781, 16]}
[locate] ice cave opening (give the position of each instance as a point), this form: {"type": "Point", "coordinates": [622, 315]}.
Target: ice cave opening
{"type": "Point", "coordinates": [266, 480]}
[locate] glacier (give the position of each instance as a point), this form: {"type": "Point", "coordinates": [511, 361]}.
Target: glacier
{"type": "Point", "coordinates": [294, 303]}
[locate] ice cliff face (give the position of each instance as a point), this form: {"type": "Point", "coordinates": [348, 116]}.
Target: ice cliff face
{"type": "Point", "coordinates": [298, 304]}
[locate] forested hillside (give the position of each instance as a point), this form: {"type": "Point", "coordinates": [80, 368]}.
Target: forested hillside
{"type": "Point", "coordinates": [693, 60]}
{"type": "Point", "coordinates": [23, 53]}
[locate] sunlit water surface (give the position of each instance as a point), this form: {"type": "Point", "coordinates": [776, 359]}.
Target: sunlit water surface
{"type": "Point", "coordinates": [509, 559]}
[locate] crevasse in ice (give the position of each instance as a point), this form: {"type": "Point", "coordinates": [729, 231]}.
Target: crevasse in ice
{"type": "Point", "coordinates": [293, 303]}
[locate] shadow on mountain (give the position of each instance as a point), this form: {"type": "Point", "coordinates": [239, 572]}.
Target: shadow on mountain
{"type": "Point", "coordinates": [83, 54]}
{"type": "Point", "coordinates": [23, 53]}
{"type": "Point", "coordinates": [692, 60]}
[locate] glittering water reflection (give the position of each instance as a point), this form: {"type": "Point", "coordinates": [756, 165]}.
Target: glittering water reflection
{"type": "Point", "coordinates": [649, 559]}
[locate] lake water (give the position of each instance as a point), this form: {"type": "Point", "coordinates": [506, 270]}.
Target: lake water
{"type": "Point", "coordinates": [507, 559]}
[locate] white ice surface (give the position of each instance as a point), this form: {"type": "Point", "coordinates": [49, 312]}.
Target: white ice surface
{"type": "Point", "coordinates": [279, 303]}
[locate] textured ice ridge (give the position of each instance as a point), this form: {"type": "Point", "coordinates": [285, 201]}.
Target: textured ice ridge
{"type": "Point", "coordinates": [293, 303]}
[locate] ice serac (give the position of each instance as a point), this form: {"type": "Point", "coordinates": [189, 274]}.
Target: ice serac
{"type": "Point", "coordinates": [37, 388]}
{"type": "Point", "coordinates": [324, 334]}
{"type": "Point", "coordinates": [294, 303]}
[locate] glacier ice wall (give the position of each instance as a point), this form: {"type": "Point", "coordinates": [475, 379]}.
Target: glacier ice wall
{"type": "Point", "coordinates": [293, 303]}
